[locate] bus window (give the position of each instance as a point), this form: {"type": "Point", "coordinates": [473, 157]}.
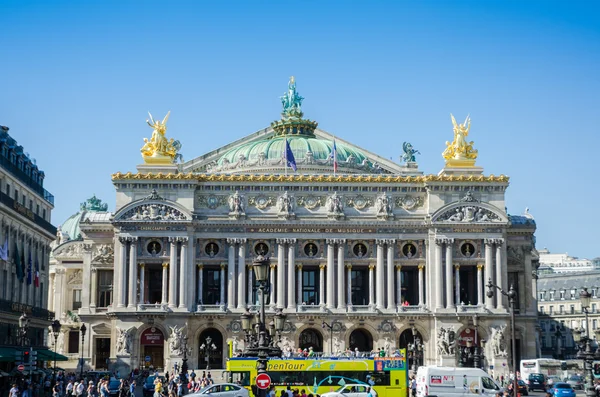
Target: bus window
{"type": "Point", "coordinates": [240, 378]}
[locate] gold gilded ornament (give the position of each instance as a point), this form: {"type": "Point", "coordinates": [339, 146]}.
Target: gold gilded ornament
{"type": "Point", "coordinates": [460, 152]}
{"type": "Point", "coordinates": [159, 149]}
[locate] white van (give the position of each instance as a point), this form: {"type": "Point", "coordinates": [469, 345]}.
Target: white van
{"type": "Point", "coordinates": [434, 381]}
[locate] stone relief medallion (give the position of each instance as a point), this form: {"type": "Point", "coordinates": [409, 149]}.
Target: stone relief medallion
{"type": "Point", "coordinates": [261, 202]}
{"type": "Point", "coordinates": [211, 249]}
{"type": "Point", "coordinates": [467, 250]}
{"type": "Point", "coordinates": [211, 201]}
{"type": "Point", "coordinates": [360, 250]}
{"type": "Point", "coordinates": [311, 249]}
{"type": "Point", "coordinates": [409, 250]}
{"type": "Point", "coordinates": [261, 248]}
{"type": "Point", "coordinates": [310, 202]}
{"type": "Point", "coordinates": [154, 247]}
{"type": "Point", "coordinates": [359, 202]}
{"type": "Point", "coordinates": [409, 202]}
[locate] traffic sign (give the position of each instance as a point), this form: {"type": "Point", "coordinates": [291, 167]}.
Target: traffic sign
{"type": "Point", "coordinates": [148, 359]}
{"type": "Point", "coordinates": [263, 381]}
{"type": "Point", "coordinates": [21, 368]}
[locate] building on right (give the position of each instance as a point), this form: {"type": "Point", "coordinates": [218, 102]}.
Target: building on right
{"type": "Point", "coordinates": [561, 312]}
{"type": "Point", "coordinates": [564, 263]}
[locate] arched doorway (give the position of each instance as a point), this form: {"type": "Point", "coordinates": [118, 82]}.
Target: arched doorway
{"type": "Point", "coordinates": [411, 340]}
{"type": "Point", "coordinates": [361, 340]}
{"type": "Point", "coordinates": [467, 348]}
{"type": "Point", "coordinates": [152, 348]}
{"type": "Point", "coordinates": [210, 350]}
{"type": "Point", "coordinates": [311, 338]}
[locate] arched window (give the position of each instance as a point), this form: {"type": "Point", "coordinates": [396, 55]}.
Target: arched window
{"type": "Point", "coordinates": [361, 340]}
{"type": "Point", "coordinates": [311, 338]}
{"type": "Point", "coordinates": [210, 355]}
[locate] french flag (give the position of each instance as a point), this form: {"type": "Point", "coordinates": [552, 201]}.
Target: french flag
{"type": "Point", "coordinates": [334, 157]}
{"type": "Point", "coordinates": [36, 279]}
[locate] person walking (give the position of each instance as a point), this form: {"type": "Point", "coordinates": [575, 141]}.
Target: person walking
{"type": "Point", "coordinates": [132, 388]}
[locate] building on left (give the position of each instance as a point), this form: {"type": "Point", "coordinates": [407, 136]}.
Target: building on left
{"type": "Point", "coordinates": [25, 235]}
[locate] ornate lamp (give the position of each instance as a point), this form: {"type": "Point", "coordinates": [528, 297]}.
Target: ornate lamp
{"type": "Point", "coordinates": [246, 317]}
{"type": "Point", "coordinates": [261, 268]}
{"type": "Point", "coordinates": [279, 320]}
{"type": "Point", "coordinates": [585, 297]}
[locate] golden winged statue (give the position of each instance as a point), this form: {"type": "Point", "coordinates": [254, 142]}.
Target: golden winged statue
{"type": "Point", "coordinates": [158, 149]}
{"type": "Point", "coordinates": [460, 152]}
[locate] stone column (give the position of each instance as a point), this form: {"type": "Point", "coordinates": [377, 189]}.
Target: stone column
{"type": "Point", "coordinates": [291, 304]}
{"type": "Point", "coordinates": [349, 283]}
{"type": "Point", "coordinates": [421, 287]}
{"type": "Point", "coordinates": [249, 272]}
{"type": "Point", "coordinates": [231, 274]}
{"type": "Point", "coordinates": [133, 273]}
{"type": "Point", "coordinates": [183, 257]}
{"type": "Point", "coordinates": [457, 285]}
{"type": "Point", "coordinates": [341, 301]}
{"type": "Point", "coordinates": [489, 302]}
{"type": "Point", "coordinates": [299, 284]}
{"type": "Point", "coordinates": [499, 276]}
{"type": "Point", "coordinates": [398, 286]}
{"type": "Point", "coordinates": [60, 276]}
{"type": "Point", "coordinates": [200, 300]}
{"type": "Point", "coordinates": [173, 273]}
{"type": "Point", "coordinates": [242, 274]}
{"type": "Point", "coordinates": [449, 283]}
{"type": "Point", "coordinates": [51, 280]}
{"type": "Point", "coordinates": [142, 283]}
{"type": "Point", "coordinates": [122, 272]}
{"type": "Point", "coordinates": [390, 274]}
{"type": "Point", "coordinates": [371, 287]}
{"type": "Point", "coordinates": [222, 298]}
{"type": "Point", "coordinates": [322, 286]}
{"type": "Point", "coordinates": [330, 274]}
{"type": "Point", "coordinates": [439, 281]}
{"type": "Point", "coordinates": [165, 278]}
{"type": "Point", "coordinates": [479, 285]}
{"type": "Point", "coordinates": [280, 273]}
{"type": "Point", "coordinates": [272, 291]}
{"type": "Point", "coordinates": [379, 276]}
{"type": "Point", "coordinates": [94, 287]}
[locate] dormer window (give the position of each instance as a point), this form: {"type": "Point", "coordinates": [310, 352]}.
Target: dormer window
{"type": "Point", "coordinates": [562, 295]}
{"type": "Point", "coordinates": [542, 295]}
{"type": "Point", "coordinates": [573, 294]}
{"type": "Point", "coordinates": [551, 295]}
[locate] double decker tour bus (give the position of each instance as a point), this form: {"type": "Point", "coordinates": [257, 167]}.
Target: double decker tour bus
{"type": "Point", "coordinates": [388, 376]}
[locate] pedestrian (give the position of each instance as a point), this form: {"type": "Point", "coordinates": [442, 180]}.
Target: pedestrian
{"type": "Point", "coordinates": [91, 390]}
{"type": "Point", "coordinates": [69, 388]}
{"type": "Point", "coordinates": [132, 388]}
{"type": "Point", "coordinates": [413, 386]}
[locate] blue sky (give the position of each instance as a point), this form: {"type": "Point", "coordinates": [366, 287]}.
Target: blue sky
{"type": "Point", "coordinates": [78, 78]}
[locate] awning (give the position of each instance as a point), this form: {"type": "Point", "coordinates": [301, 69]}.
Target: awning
{"type": "Point", "coordinates": [7, 354]}
{"type": "Point", "coordinates": [49, 355]}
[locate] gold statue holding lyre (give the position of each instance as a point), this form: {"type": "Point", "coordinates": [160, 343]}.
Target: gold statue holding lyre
{"type": "Point", "coordinates": [159, 149]}
{"type": "Point", "coordinates": [459, 152]}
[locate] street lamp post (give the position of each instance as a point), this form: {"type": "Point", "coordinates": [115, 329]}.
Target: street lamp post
{"type": "Point", "coordinates": [259, 342]}
{"type": "Point", "coordinates": [330, 327]}
{"type": "Point", "coordinates": [82, 330]}
{"type": "Point", "coordinates": [206, 347]}
{"type": "Point", "coordinates": [184, 365]}
{"type": "Point", "coordinates": [585, 348]}
{"type": "Point", "coordinates": [512, 295]}
{"type": "Point", "coordinates": [55, 332]}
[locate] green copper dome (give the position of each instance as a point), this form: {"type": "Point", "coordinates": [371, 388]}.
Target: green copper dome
{"type": "Point", "coordinates": [274, 148]}
{"type": "Point", "coordinates": [71, 225]}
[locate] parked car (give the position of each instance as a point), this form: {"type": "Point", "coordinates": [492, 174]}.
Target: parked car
{"type": "Point", "coordinates": [576, 382]}
{"type": "Point", "coordinates": [523, 389]}
{"type": "Point", "coordinates": [148, 386]}
{"type": "Point", "coordinates": [222, 390]}
{"type": "Point", "coordinates": [537, 382]}
{"type": "Point", "coordinates": [552, 380]}
{"type": "Point", "coordinates": [350, 391]}
{"type": "Point", "coordinates": [562, 389]}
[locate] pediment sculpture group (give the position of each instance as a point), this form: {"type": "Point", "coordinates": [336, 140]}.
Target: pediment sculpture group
{"type": "Point", "coordinates": [125, 336]}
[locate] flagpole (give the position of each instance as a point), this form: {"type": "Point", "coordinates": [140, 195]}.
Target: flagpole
{"type": "Point", "coordinates": [285, 151]}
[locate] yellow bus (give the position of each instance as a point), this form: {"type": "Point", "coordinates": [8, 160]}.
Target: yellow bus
{"type": "Point", "coordinates": [387, 375]}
